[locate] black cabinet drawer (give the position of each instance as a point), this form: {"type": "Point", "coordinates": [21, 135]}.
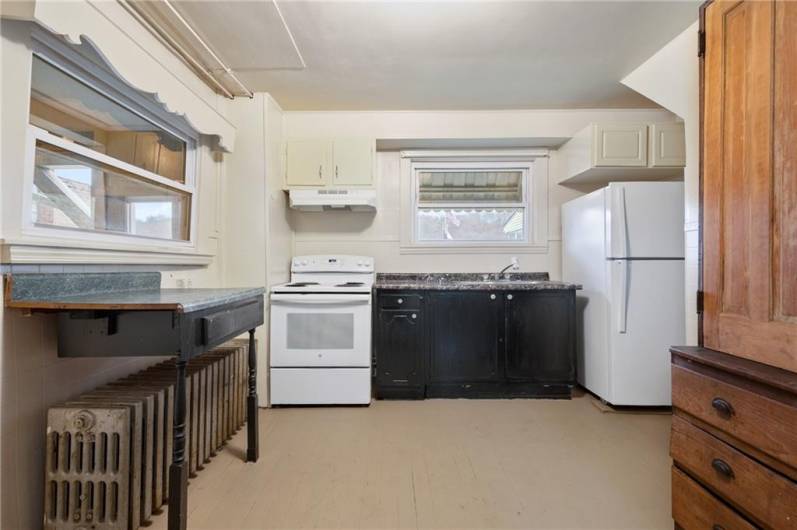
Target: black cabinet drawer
{"type": "Point", "coordinates": [225, 324]}
{"type": "Point", "coordinates": [401, 301]}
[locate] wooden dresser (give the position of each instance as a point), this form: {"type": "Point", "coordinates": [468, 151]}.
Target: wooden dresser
{"type": "Point", "coordinates": [734, 429]}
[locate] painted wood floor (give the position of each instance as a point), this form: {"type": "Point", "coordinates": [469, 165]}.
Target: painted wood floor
{"type": "Point", "coordinates": [442, 464]}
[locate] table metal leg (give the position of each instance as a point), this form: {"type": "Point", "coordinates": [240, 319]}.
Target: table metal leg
{"type": "Point", "coordinates": [252, 448]}
{"type": "Point", "coordinates": [178, 472]}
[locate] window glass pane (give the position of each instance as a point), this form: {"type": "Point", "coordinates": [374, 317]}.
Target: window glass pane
{"type": "Point", "coordinates": [471, 224]}
{"type": "Point", "coordinates": [470, 186]}
{"type": "Point", "coordinates": [73, 191]}
{"type": "Point", "coordinates": [68, 108]}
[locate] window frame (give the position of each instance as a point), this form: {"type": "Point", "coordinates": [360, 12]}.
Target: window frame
{"type": "Point", "coordinates": [447, 167]}
{"type": "Point", "coordinates": [108, 85]}
{"type": "Point", "coordinates": [534, 167]}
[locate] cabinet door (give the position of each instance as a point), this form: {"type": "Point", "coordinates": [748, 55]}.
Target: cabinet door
{"type": "Point", "coordinates": [307, 162]}
{"type": "Point", "coordinates": [540, 337]}
{"type": "Point", "coordinates": [400, 348]}
{"type": "Point", "coordinates": [467, 337]}
{"type": "Point", "coordinates": [354, 162]}
{"type": "Point", "coordinates": [620, 145]}
{"type": "Point", "coordinates": [667, 145]}
{"type": "Point", "coordinates": [749, 170]}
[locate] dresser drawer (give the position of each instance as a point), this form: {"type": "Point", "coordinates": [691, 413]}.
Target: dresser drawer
{"type": "Point", "coordinates": [765, 423]}
{"type": "Point", "coordinates": [694, 508]}
{"type": "Point", "coordinates": [765, 496]}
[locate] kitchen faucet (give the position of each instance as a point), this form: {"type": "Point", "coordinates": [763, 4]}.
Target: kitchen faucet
{"type": "Point", "coordinates": [512, 265]}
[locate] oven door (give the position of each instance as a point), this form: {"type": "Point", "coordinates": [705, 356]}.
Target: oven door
{"type": "Point", "coordinates": [320, 330]}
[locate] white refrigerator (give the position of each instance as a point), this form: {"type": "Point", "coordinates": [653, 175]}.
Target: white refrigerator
{"type": "Point", "coordinates": [625, 245]}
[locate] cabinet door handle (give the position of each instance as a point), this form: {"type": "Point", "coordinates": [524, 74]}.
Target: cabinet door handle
{"type": "Point", "coordinates": [336, 171]}
{"type": "Point", "coordinates": [724, 408]}
{"type": "Point", "coordinates": [319, 172]}
{"type": "Point", "coordinates": [509, 297]}
{"type": "Point", "coordinates": [722, 467]}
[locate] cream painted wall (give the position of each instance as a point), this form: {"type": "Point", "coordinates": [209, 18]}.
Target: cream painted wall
{"type": "Point", "coordinates": [671, 79]}
{"type": "Point", "coordinates": [378, 234]}
{"type": "Point", "coordinates": [258, 239]}
{"type": "Point", "coordinates": [32, 377]}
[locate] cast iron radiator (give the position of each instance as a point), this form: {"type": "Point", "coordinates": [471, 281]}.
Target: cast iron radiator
{"type": "Point", "coordinates": [109, 450]}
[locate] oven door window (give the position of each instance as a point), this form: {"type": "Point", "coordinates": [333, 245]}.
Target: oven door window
{"type": "Point", "coordinates": [314, 331]}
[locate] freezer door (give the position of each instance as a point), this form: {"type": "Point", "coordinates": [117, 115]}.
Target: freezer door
{"type": "Point", "coordinates": [646, 317]}
{"type": "Point", "coordinates": [645, 220]}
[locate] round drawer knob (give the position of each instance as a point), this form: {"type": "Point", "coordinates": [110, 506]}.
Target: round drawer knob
{"type": "Point", "coordinates": [414, 315]}
{"type": "Point", "coordinates": [509, 297]}
{"type": "Point", "coordinates": [492, 297]}
{"type": "Point", "coordinates": [400, 300]}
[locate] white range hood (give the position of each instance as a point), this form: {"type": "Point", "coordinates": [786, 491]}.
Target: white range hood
{"type": "Point", "coordinates": [356, 200]}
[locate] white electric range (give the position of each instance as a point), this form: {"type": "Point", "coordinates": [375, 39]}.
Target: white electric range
{"type": "Point", "coordinates": [321, 332]}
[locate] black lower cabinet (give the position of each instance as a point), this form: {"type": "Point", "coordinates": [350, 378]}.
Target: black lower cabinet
{"type": "Point", "coordinates": [466, 335]}
{"type": "Point", "coordinates": [400, 352]}
{"type": "Point", "coordinates": [540, 342]}
{"type": "Point", "coordinates": [474, 344]}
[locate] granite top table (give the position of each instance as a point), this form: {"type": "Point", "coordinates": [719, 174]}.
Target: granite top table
{"type": "Point", "coordinates": [522, 281]}
{"type": "Point", "coordinates": [128, 314]}
{"type": "Point", "coordinates": [113, 291]}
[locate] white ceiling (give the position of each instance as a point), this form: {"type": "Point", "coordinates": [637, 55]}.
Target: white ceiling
{"type": "Point", "coordinates": [395, 55]}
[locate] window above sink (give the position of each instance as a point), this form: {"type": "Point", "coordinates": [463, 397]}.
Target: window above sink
{"type": "Point", "coordinates": [462, 202]}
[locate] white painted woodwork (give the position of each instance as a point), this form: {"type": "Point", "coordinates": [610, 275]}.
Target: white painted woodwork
{"type": "Point", "coordinates": [666, 145]}
{"type": "Point", "coordinates": [606, 152]}
{"type": "Point", "coordinates": [354, 161]}
{"type": "Point", "coordinates": [620, 145]}
{"type": "Point", "coordinates": [308, 162]}
{"type": "Point", "coordinates": [336, 162]}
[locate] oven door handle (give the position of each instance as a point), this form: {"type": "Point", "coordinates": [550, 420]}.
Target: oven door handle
{"type": "Point", "coordinates": [326, 299]}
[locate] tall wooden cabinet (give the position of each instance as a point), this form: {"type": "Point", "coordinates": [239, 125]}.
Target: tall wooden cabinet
{"type": "Point", "coordinates": [734, 437]}
{"type": "Point", "coordinates": [749, 182]}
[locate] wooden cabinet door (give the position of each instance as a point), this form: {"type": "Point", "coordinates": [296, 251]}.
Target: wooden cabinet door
{"type": "Point", "coordinates": [620, 145]}
{"type": "Point", "coordinates": [307, 162]}
{"type": "Point", "coordinates": [667, 145]}
{"type": "Point", "coordinates": [750, 181]}
{"type": "Point", "coordinates": [400, 348]}
{"type": "Point", "coordinates": [540, 337]}
{"type": "Point", "coordinates": [466, 337]}
{"type": "Point", "coordinates": [354, 162]}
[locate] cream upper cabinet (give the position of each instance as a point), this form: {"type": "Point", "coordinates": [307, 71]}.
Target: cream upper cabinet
{"type": "Point", "coordinates": [666, 146]}
{"type": "Point", "coordinates": [354, 162]}
{"type": "Point", "coordinates": [620, 145]}
{"type": "Point", "coordinates": [606, 152]}
{"type": "Point", "coordinates": [323, 162]}
{"type": "Point", "coordinates": [309, 162]}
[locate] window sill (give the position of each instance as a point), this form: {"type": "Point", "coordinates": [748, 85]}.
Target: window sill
{"type": "Point", "coordinates": [63, 252]}
{"type": "Point", "coordinates": [474, 249]}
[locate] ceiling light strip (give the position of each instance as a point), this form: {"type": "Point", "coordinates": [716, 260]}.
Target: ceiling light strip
{"type": "Point", "coordinates": [201, 41]}
{"type": "Point", "coordinates": [164, 37]}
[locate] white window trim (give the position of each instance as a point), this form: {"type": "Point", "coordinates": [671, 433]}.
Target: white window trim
{"type": "Point", "coordinates": [533, 163]}
{"type": "Point", "coordinates": [28, 242]}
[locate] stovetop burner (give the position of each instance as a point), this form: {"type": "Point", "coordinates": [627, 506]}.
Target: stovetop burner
{"type": "Point", "coordinates": [302, 284]}
{"type": "Point", "coordinates": [350, 284]}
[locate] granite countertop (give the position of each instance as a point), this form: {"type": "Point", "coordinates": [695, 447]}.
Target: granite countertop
{"type": "Point", "coordinates": [113, 291]}
{"type": "Point", "coordinates": [522, 281]}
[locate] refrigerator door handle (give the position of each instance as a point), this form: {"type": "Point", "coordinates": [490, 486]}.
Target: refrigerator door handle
{"type": "Point", "coordinates": [623, 225]}
{"type": "Point", "coordinates": [622, 302]}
